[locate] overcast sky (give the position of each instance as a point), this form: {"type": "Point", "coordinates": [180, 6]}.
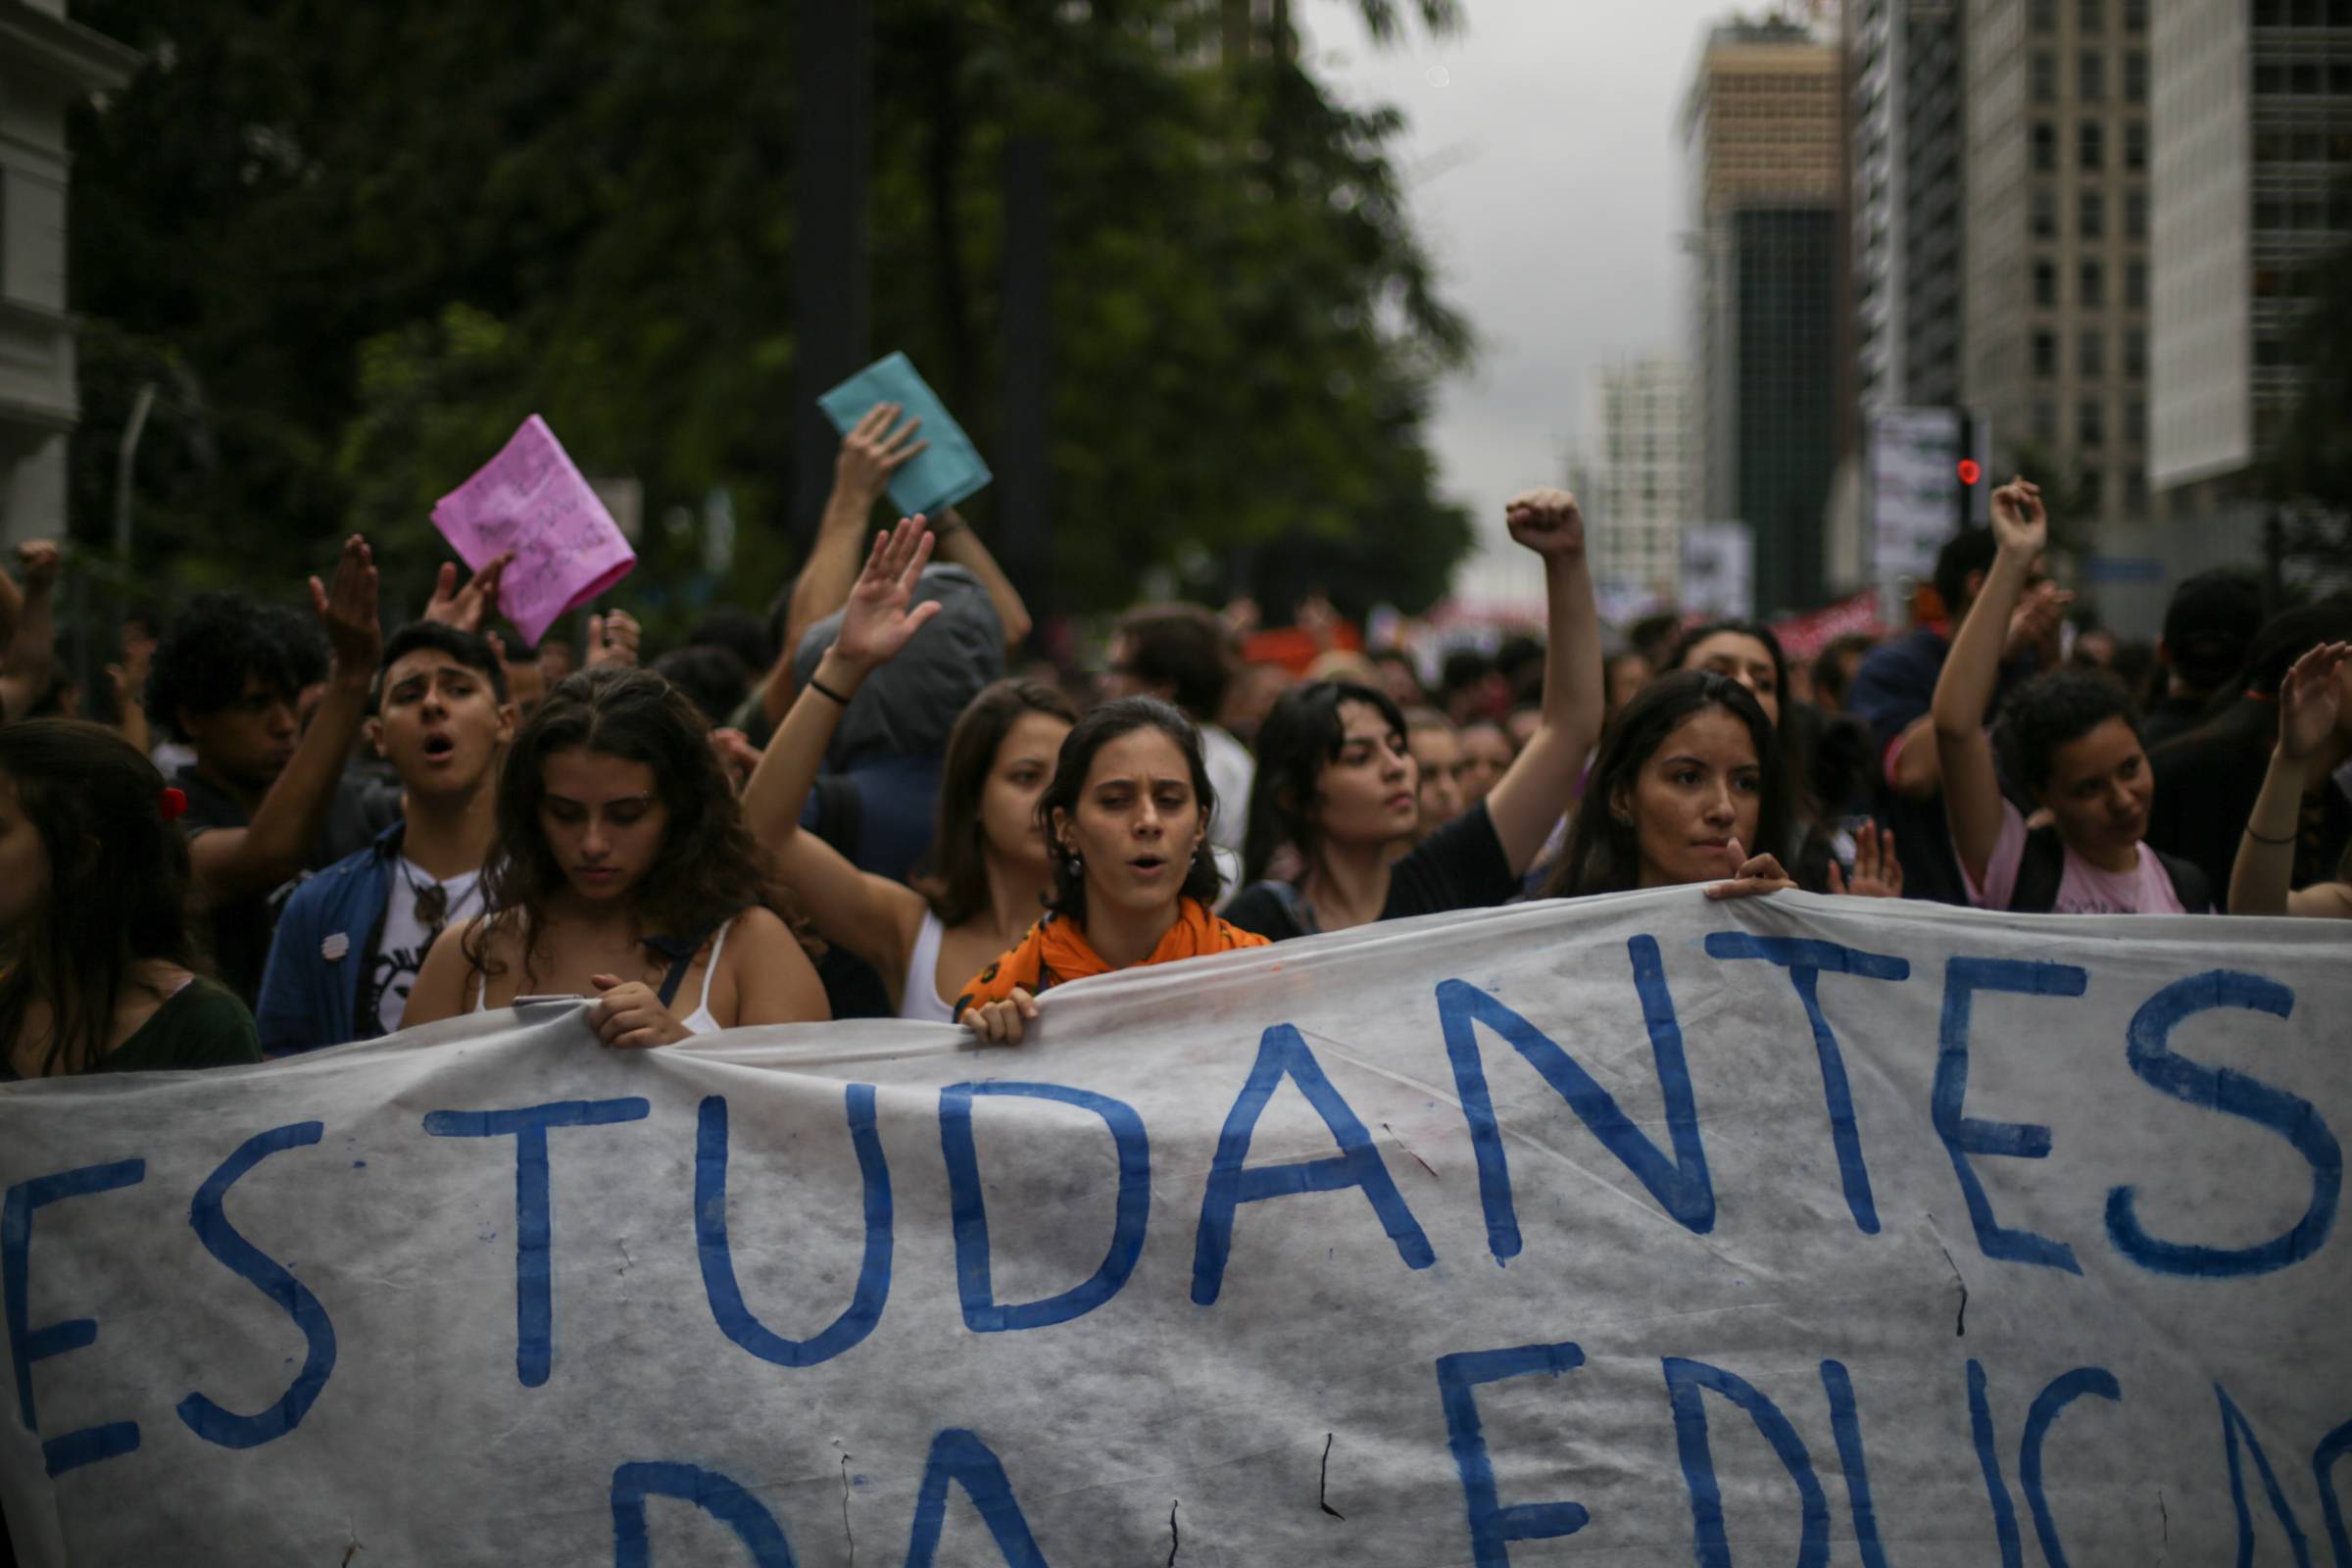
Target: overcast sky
{"type": "Point", "coordinates": [1547, 186]}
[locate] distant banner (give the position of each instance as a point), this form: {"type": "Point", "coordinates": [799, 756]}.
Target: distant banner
{"type": "Point", "coordinates": [1646, 1230]}
{"type": "Point", "coordinates": [1914, 488]}
{"type": "Point", "coordinates": [1857, 615]}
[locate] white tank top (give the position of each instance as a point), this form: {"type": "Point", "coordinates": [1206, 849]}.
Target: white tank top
{"type": "Point", "coordinates": [700, 1021]}
{"type": "Point", "coordinates": [918, 998]}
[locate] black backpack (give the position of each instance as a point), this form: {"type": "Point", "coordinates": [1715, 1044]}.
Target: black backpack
{"type": "Point", "coordinates": [2043, 867]}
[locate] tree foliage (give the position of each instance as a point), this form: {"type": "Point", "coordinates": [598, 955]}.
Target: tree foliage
{"type": "Point", "coordinates": [354, 245]}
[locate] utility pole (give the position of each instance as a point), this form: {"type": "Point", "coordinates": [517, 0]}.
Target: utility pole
{"type": "Point", "coordinates": [1024, 514]}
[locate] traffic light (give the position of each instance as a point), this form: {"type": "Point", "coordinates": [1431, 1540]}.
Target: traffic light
{"type": "Point", "coordinates": [1976, 444]}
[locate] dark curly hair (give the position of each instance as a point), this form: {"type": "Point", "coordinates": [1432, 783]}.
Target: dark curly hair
{"type": "Point", "coordinates": [1186, 646]}
{"type": "Point", "coordinates": [218, 639]}
{"type": "Point", "coordinates": [708, 865]}
{"type": "Point", "coordinates": [1094, 731]}
{"type": "Point", "coordinates": [1301, 735]}
{"type": "Point", "coordinates": [1603, 854]}
{"type": "Point", "coordinates": [712, 678]}
{"type": "Point", "coordinates": [2053, 711]}
{"type": "Point", "coordinates": [117, 884]}
{"type": "Point", "coordinates": [958, 886]}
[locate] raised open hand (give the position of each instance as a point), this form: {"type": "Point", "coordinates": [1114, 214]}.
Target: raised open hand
{"type": "Point", "coordinates": [1877, 874]}
{"type": "Point", "coordinates": [1547, 521]}
{"type": "Point", "coordinates": [876, 446]}
{"type": "Point", "coordinates": [2311, 700]}
{"type": "Point", "coordinates": [876, 623]}
{"type": "Point", "coordinates": [346, 611]}
{"type": "Point", "coordinates": [467, 609]}
{"type": "Point", "coordinates": [2019, 526]}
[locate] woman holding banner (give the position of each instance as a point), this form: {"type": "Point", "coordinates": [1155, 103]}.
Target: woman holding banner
{"type": "Point", "coordinates": [1337, 782]}
{"type": "Point", "coordinates": [993, 871]}
{"type": "Point", "coordinates": [1690, 787]}
{"type": "Point", "coordinates": [1127, 814]}
{"type": "Point", "coordinates": [1750, 653]}
{"type": "Point", "coordinates": [623, 871]}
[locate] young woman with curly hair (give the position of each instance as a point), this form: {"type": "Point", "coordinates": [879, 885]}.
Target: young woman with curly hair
{"type": "Point", "coordinates": [623, 871]}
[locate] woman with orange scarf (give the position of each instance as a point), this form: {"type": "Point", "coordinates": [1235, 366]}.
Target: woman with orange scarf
{"type": "Point", "coordinates": [1127, 814]}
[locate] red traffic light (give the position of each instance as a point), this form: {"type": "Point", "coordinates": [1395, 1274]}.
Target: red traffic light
{"type": "Point", "coordinates": [1970, 473]}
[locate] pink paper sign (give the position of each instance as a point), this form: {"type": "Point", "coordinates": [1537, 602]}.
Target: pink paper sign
{"type": "Point", "coordinates": [532, 499]}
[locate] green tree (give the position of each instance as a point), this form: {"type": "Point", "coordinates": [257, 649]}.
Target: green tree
{"type": "Point", "coordinates": [357, 244]}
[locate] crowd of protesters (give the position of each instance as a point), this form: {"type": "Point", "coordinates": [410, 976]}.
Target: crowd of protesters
{"type": "Point", "coordinates": [293, 830]}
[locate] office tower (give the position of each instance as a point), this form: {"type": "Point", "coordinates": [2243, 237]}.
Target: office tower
{"type": "Point", "coordinates": [2253, 200]}
{"type": "Point", "coordinates": [2055, 293]}
{"type": "Point", "coordinates": [1761, 133]}
{"type": "Point", "coordinates": [1907, 140]}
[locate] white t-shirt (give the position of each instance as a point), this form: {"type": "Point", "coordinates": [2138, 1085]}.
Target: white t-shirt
{"type": "Point", "coordinates": [1230, 772]}
{"type": "Point", "coordinates": [2082, 887]}
{"type": "Point", "coordinates": [400, 953]}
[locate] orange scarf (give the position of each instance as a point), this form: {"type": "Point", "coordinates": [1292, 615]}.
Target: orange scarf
{"type": "Point", "coordinates": [1056, 950]}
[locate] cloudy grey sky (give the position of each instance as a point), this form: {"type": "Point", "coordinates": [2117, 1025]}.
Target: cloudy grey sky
{"type": "Point", "coordinates": [1548, 189]}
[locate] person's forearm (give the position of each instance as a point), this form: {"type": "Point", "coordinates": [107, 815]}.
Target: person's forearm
{"type": "Point", "coordinates": [11, 604]}
{"type": "Point", "coordinates": [787, 771]}
{"type": "Point", "coordinates": [2265, 869]}
{"type": "Point", "coordinates": [28, 657]}
{"type": "Point", "coordinates": [963, 548]}
{"type": "Point", "coordinates": [133, 722]}
{"type": "Point", "coordinates": [823, 587]}
{"type": "Point", "coordinates": [1973, 668]}
{"type": "Point", "coordinates": [33, 646]}
{"type": "Point", "coordinates": [1535, 790]}
{"type": "Point", "coordinates": [275, 845]}
{"type": "Point", "coordinates": [1575, 690]}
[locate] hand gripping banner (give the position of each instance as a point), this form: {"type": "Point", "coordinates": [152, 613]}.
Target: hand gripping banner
{"type": "Point", "coordinates": [1646, 1230]}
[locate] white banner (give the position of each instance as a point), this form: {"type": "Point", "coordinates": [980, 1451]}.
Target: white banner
{"type": "Point", "coordinates": [1718, 569]}
{"type": "Point", "coordinates": [1914, 489]}
{"type": "Point", "coordinates": [1647, 1229]}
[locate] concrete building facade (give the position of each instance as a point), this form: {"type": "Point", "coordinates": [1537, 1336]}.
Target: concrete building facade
{"type": "Point", "coordinates": [1635, 482]}
{"type": "Point", "coordinates": [47, 61]}
{"type": "Point", "coordinates": [1907, 137]}
{"type": "Point", "coordinates": [2253, 199]}
{"type": "Point", "coordinates": [2054, 311]}
{"type": "Point", "coordinates": [1762, 134]}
